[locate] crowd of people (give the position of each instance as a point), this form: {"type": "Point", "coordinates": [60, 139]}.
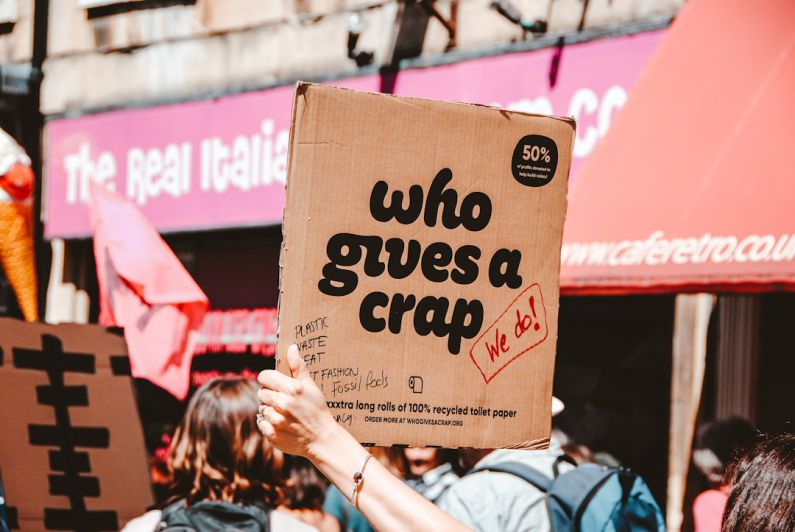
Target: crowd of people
{"type": "Point", "coordinates": [273, 458]}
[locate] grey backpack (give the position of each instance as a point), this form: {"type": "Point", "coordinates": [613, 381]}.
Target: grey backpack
{"type": "Point", "coordinates": [214, 515]}
{"type": "Point", "coordinates": [591, 497]}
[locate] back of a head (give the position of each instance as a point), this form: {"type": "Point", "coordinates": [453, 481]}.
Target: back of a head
{"type": "Point", "coordinates": [728, 438]}
{"type": "Point", "coordinates": [763, 489]}
{"type": "Point", "coordinates": [720, 443]}
{"type": "Point", "coordinates": [305, 488]}
{"type": "Point", "coordinates": [217, 452]}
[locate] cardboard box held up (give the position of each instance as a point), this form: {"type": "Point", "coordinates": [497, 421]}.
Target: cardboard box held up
{"type": "Point", "coordinates": [72, 453]}
{"type": "Point", "coordinates": [420, 265]}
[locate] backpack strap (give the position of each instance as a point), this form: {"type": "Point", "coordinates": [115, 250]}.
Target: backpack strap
{"type": "Point", "coordinates": [626, 479]}
{"type": "Point", "coordinates": [518, 469]}
{"type": "Point", "coordinates": [559, 460]}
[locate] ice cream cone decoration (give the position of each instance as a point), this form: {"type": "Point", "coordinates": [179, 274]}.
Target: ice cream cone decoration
{"type": "Point", "coordinates": [16, 227]}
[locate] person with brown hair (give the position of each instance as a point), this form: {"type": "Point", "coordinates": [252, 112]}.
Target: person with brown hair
{"type": "Point", "coordinates": [223, 473]}
{"type": "Point", "coordinates": [762, 497]}
{"type": "Point", "coordinates": [718, 444]}
{"type": "Point", "coordinates": [304, 494]}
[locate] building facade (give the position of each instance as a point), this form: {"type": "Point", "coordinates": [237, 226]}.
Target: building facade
{"type": "Point", "coordinates": [184, 106]}
{"type": "Point", "coordinates": [177, 65]}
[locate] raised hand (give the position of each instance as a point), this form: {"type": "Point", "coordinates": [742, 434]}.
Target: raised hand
{"type": "Point", "coordinates": [294, 415]}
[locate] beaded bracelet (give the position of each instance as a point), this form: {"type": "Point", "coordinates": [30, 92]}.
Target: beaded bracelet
{"type": "Point", "coordinates": [358, 477]}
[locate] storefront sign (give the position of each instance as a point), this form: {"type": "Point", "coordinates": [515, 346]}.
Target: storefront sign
{"type": "Point", "coordinates": [221, 162]}
{"type": "Point", "coordinates": [238, 331]}
{"type": "Point", "coordinates": [693, 188]}
{"type": "Point", "coordinates": [234, 342]}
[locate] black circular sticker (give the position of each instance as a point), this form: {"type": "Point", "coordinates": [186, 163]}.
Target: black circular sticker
{"type": "Point", "coordinates": [535, 160]}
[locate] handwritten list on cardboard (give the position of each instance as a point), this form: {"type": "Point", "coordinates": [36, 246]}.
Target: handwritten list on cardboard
{"type": "Point", "coordinates": [420, 265]}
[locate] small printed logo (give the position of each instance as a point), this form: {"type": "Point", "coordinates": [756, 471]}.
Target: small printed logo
{"type": "Point", "coordinates": [415, 383]}
{"type": "Point", "coordinates": [535, 160]}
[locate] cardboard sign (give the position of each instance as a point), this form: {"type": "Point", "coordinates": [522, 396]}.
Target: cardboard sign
{"type": "Point", "coordinates": [72, 453]}
{"type": "Point", "coordinates": [420, 265]}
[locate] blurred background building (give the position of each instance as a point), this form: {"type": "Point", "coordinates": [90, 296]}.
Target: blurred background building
{"type": "Point", "coordinates": [173, 59]}
{"type": "Point", "coordinates": [184, 106]}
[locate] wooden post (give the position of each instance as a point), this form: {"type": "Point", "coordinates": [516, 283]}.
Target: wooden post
{"type": "Point", "coordinates": [691, 321]}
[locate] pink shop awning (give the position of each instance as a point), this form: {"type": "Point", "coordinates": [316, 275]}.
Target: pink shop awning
{"type": "Point", "coordinates": [693, 187]}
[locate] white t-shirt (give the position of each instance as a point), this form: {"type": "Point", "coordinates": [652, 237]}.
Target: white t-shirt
{"type": "Point", "coordinates": [487, 501]}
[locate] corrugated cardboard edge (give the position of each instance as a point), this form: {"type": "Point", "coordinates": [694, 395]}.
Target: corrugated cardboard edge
{"type": "Point", "coordinates": [298, 92]}
{"type": "Point", "coordinates": [541, 444]}
{"type": "Point", "coordinates": [302, 86]}
{"type": "Point", "coordinates": [528, 445]}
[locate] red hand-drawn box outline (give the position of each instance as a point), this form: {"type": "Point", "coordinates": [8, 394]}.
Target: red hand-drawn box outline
{"type": "Point", "coordinates": [546, 334]}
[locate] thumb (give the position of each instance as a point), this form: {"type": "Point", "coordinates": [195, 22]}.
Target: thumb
{"type": "Point", "coordinates": [297, 367]}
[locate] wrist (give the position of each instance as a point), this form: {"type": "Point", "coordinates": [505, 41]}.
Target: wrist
{"type": "Point", "coordinates": [329, 437]}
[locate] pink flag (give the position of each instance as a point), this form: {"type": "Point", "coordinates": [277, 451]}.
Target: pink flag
{"type": "Point", "coordinates": [144, 288]}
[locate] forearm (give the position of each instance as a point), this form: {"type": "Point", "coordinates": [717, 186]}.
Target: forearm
{"type": "Point", "coordinates": [385, 501]}
{"type": "Point", "coordinates": [296, 420]}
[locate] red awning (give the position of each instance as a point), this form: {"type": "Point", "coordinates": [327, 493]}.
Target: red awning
{"type": "Point", "coordinates": [693, 187]}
